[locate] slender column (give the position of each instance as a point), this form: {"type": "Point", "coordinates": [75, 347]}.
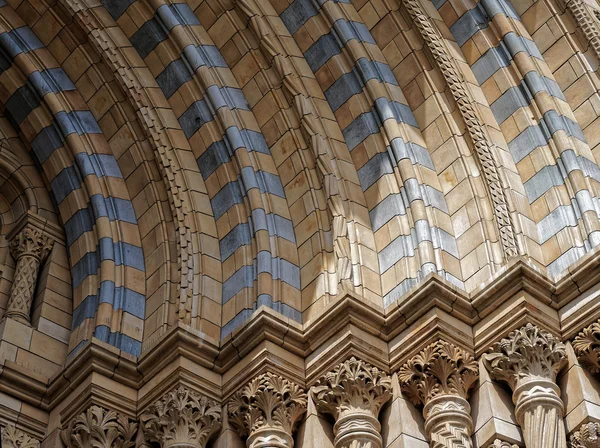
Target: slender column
{"type": "Point", "coordinates": [29, 248]}
{"type": "Point", "coordinates": [587, 347]}
{"type": "Point", "coordinates": [439, 379]}
{"type": "Point", "coordinates": [588, 436]}
{"type": "Point", "coordinates": [12, 437]}
{"type": "Point", "coordinates": [100, 428]}
{"type": "Point", "coordinates": [529, 360]}
{"type": "Point", "coordinates": [267, 410]}
{"type": "Point", "coordinates": [182, 418]}
{"type": "Point", "coordinates": [353, 393]}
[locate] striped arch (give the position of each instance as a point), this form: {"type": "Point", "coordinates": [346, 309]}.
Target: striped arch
{"type": "Point", "coordinates": [551, 137]}
{"type": "Point", "coordinates": [256, 238]}
{"type": "Point", "coordinates": [412, 228]}
{"type": "Point", "coordinates": [87, 185]}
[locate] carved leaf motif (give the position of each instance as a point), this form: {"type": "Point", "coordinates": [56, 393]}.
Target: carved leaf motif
{"type": "Point", "coordinates": [528, 351]}
{"type": "Point", "coordinates": [31, 242]}
{"type": "Point", "coordinates": [181, 416]}
{"type": "Point", "coordinates": [501, 444]}
{"type": "Point", "coordinates": [352, 385]}
{"type": "Point", "coordinates": [439, 369]}
{"type": "Point", "coordinates": [100, 428]}
{"type": "Point", "coordinates": [267, 401]}
{"type": "Point", "coordinates": [588, 436]}
{"type": "Point", "coordinates": [587, 347]}
{"type": "Point", "coordinates": [12, 437]}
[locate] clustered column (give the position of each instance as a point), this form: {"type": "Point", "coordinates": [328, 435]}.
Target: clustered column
{"type": "Point", "coordinates": [29, 248]}
{"type": "Point", "coordinates": [529, 361]}
{"type": "Point", "coordinates": [353, 394]}
{"type": "Point", "coordinates": [267, 410]}
{"type": "Point", "coordinates": [439, 379]}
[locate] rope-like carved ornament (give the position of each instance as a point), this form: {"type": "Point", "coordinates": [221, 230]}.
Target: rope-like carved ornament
{"type": "Point", "coordinates": [483, 145]}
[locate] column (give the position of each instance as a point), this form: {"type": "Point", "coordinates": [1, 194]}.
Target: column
{"type": "Point", "coordinates": [29, 248]}
{"type": "Point", "coordinates": [588, 436]}
{"type": "Point", "coordinates": [353, 394]}
{"type": "Point", "coordinates": [12, 437]}
{"type": "Point", "coordinates": [181, 418]}
{"type": "Point", "coordinates": [100, 428]}
{"type": "Point", "coordinates": [529, 361]}
{"type": "Point", "coordinates": [439, 379]}
{"type": "Point", "coordinates": [267, 410]}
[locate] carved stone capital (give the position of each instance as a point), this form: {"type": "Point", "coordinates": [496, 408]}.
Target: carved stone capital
{"type": "Point", "coordinates": [31, 241]}
{"type": "Point", "coordinates": [529, 361]}
{"type": "Point", "coordinates": [267, 410]}
{"type": "Point", "coordinates": [588, 436]}
{"type": "Point", "coordinates": [12, 437]}
{"type": "Point", "coordinates": [181, 418]}
{"type": "Point", "coordinates": [528, 353]}
{"type": "Point", "coordinates": [587, 347]}
{"type": "Point", "coordinates": [353, 393]}
{"type": "Point", "coordinates": [501, 444]}
{"type": "Point", "coordinates": [440, 369]}
{"type": "Point", "coordinates": [439, 379]}
{"type": "Point", "coordinates": [100, 428]}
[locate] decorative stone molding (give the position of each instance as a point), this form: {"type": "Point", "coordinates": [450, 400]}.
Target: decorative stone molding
{"type": "Point", "coordinates": [587, 347]}
{"type": "Point", "coordinates": [529, 361]}
{"type": "Point", "coordinates": [100, 428]}
{"type": "Point", "coordinates": [439, 379]}
{"type": "Point", "coordinates": [267, 410]}
{"type": "Point", "coordinates": [182, 418]}
{"type": "Point", "coordinates": [29, 248]}
{"type": "Point", "coordinates": [587, 22]}
{"type": "Point", "coordinates": [588, 436]}
{"type": "Point", "coordinates": [482, 143]}
{"type": "Point", "coordinates": [13, 437]}
{"type": "Point", "coordinates": [353, 393]}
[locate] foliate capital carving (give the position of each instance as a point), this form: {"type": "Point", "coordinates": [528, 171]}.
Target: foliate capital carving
{"type": "Point", "coordinates": [588, 436]}
{"type": "Point", "coordinates": [100, 428]}
{"type": "Point", "coordinates": [352, 386]}
{"type": "Point", "coordinates": [501, 444]}
{"type": "Point", "coordinates": [12, 437]}
{"type": "Point", "coordinates": [440, 369]}
{"type": "Point", "coordinates": [527, 353]}
{"type": "Point", "coordinates": [268, 402]}
{"type": "Point", "coordinates": [587, 347]}
{"type": "Point", "coordinates": [32, 242]}
{"type": "Point", "coordinates": [181, 416]}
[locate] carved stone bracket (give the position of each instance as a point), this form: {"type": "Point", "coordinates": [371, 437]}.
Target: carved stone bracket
{"type": "Point", "coordinates": [529, 361]}
{"type": "Point", "coordinates": [100, 428]}
{"type": "Point", "coordinates": [267, 410]}
{"type": "Point", "coordinates": [588, 436]}
{"type": "Point", "coordinates": [353, 393]}
{"type": "Point", "coordinates": [587, 347]}
{"type": "Point", "coordinates": [182, 418]}
{"type": "Point", "coordinates": [439, 379]}
{"type": "Point", "coordinates": [13, 437]}
{"type": "Point", "coordinates": [29, 248]}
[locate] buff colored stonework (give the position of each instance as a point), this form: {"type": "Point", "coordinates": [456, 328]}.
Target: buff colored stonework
{"type": "Point", "coordinates": [300, 224]}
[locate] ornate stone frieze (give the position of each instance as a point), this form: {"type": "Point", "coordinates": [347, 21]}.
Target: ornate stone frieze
{"type": "Point", "coordinates": [587, 347]}
{"type": "Point", "coordinates": [587, 22]}
{"type": "Point", "coordinates": [353, 393]}
{"type": "Point", "coordinates": [181, 418]}
{"type": "Point", "coordinates": [267, 410]}
{"type": "Point", "coordinates": [588, 436]}
{"type": "Point", "coordinates": [484, 147]}
{"type": "Point", "coordinates": [529, 361]}
{"type": "Point", "coordinates": [439, 379]}
{"type": "Point", "coordinates": [29, 248]}
{"type": "Point", "coordinates": [13, 437]}
{"type": "Point", "coordinates": [100, 428]}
